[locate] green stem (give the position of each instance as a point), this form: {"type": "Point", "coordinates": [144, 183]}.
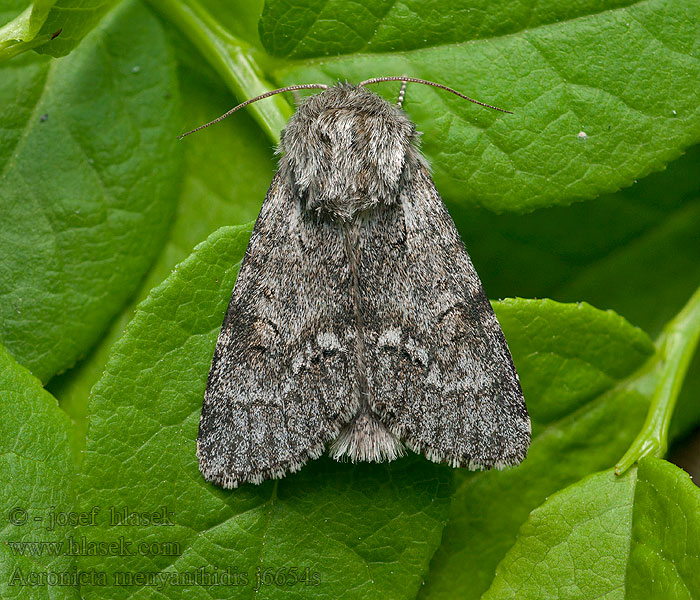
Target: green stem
{"type": "Point", "coordinates": [674, 349]}
{"type": "Point", "coordinates": [231, 58]}
{"type": "Point", "coordinates": [9, 50]}
{"type": "Point", "coordinates": [13, 36]}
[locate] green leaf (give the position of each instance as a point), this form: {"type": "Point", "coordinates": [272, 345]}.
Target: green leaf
{"type": "Point", "coordinates": [636, 252]}
{"type": "Point", "coordinates": [643, 235]}
{"type": "Point", "coordinates": [20, 33]}
{"type": "Point", "coordinates": [574, 544]}
{"type": "Point", "coordinates": [584, 377]}
{"type": "Point", "coordinates": [366, 529]}
{"type": "Point", "coordinates": [624, 76]}
{"type": "Point", "coordinates": [637, 536]}
{"type": "Point", "coordinates": [52, 27]}
{"type": "Point", "coordinates": [88, 175]}
{"type": "Point", "coordinates": [665, 533]}
{"type": "Point", "coordinates": [38, 471]}
{"type": "Point", "coordinates": [225, 187]}
{"type": "Point", "coordinates": [488, 508]}
{"type": "Point", "coordinates": [312, 28]}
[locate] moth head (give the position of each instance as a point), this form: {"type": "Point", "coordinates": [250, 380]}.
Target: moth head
{"type": "Point", "coordinates": [347, 149]}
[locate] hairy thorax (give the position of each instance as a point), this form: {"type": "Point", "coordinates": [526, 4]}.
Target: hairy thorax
{"type": "Point", "coordinates": [347, 150]}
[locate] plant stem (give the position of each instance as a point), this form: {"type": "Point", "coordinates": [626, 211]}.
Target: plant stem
{"type": "Point", "coordinates": [674, 349]}
{"type": "Point", "coordinates": [231, 58]}
{"type": "Point", "coordinates": [17, 36]}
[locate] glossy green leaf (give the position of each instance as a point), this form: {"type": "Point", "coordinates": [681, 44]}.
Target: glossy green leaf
{"type": "Point", "coordinates": [602, 93]}
{"type": "Point", "coordinates": [585, 378]}
{"type": "Point", "coordinates": [38, 472]}
{"type": "Point", "coordinates": [643, 235]}
{"type": "Point", "coordinates": [88, 174]}
{"type": "Point", "coordinates": [633, 537]}
{"type": "Point", "coordinates": [313, 28]}
{"type": "Point", "coordinates": [603, 425]}
{"type": "Point", "coordinates": [664, 553]}
{"type": "Point", "coordinates": [18, 30]}
{"type": "Point", "coordinates": [52, 27]}
{"type": "Point", "coordinates": [225, 187]}
{"type": "Point", "coordinates": [636, 252]}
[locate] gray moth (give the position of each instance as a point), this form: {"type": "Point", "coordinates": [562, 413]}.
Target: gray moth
{"type": "Point", "coordinates": [357, 321]}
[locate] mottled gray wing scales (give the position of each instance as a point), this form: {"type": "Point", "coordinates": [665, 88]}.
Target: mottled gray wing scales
{"type": "Point", "coordinates": [440, 374]}
{"type": "Point", "coordinates": [283, 378]}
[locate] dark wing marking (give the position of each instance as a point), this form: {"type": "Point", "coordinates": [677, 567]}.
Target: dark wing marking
{"type": "Point", "coordinates": [441, 376]}
{"type": "Point", "coordinates": [283, 378]}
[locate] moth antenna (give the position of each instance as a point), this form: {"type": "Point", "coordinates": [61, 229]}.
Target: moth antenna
{"type": "Point", "coordinates": [291, 88]}
{"type": "Point", "coordinates": [437, 85]}
{"type": "Point", "coordinates": [402, 92]}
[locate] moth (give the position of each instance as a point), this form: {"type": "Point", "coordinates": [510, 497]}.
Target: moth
{"type": "Point", "coordinates": [357, 320]}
